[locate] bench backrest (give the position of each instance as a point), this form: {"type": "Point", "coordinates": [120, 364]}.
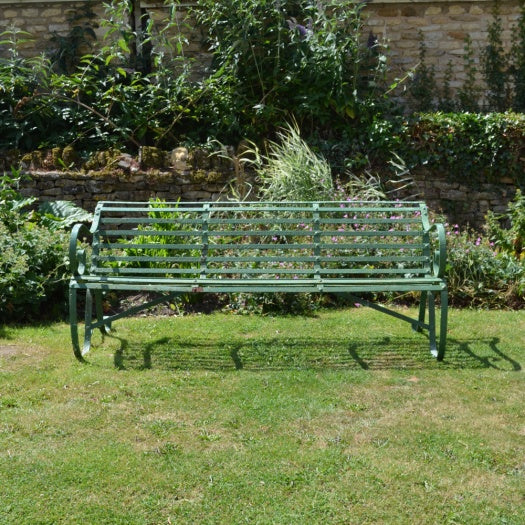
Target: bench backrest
{"type": "Point", "coordinates": [261, 240]}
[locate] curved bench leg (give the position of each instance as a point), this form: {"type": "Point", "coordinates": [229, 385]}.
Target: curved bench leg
{"type": "Point", "coordinates": [73, 323]}
{"type": "Point", "coordinates": [79, 351]}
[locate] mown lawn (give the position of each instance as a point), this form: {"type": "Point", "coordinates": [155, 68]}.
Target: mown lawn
{"type": "Point", "coordinates": [342, 417]}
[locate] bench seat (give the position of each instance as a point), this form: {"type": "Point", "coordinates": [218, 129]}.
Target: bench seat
{"type": "Point", "coordinates": [260, 285]}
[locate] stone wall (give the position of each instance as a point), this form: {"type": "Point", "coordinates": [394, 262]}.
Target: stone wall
{"type": "Point", "coordinates": [443, 23]}
{"type": "Point", "coordinates": [180, 174]}
{"type": "Point", "coordinates": [461, 203]}
{"type": "Point", "coordinates": [87, 189]}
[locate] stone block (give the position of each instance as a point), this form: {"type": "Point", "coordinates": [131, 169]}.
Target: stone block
{"type": "Point", "coordinates": [409, 11]}
{"type": "Point", "coordinates": [388, 11]}
{"type": "Point", "coordinates": [59, 28]}
{"type": "Point", "coordinates": [30, 13]}
{"type": "Point", "coordinates": [483, 207]}
{"type": "Point", "coordinates": [433, 10]}
{"type": "Point", "coordinates": [196, 195]}
{"type": "Point", "coordinates": [51, 192]}
{"type": "Point", "coordinates": [52, 13]}
{"type": "Point", "coordinates": [476, 10]}
{"type": "Point", "coordinates": [456, 10]}
{"type": "Point", "coordinates": [452, 195]}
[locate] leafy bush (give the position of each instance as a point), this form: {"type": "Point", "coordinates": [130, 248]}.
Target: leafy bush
{"type": "Point", "coordinates": [274, 61]}
{"type": "Point", "coordinates": [33, 268]}
{"type": "Point", "coordinates": [488, 270]}
{"type": "Point", "coordinates": [511, 240]}
{"type": "Point", "coordinates": [105, 99]}
{"type": "Point", "coordinates": [480, 276]}
{"type": "Point", "coordinates": [33, 255]}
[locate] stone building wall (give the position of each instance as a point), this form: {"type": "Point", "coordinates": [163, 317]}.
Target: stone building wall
{"type": "Point", "coordinates": [444, 25]}
{"type": "Point", "coordinates": [42, 20]}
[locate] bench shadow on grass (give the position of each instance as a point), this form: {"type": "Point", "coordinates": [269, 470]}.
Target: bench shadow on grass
{"type": "Point", "coordinates": [267, 353]}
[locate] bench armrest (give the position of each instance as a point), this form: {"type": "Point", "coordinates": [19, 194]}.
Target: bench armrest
{"type": "Point", "coordinates": [77, 257]}
{"type": "Point", "coordinates": [440, 251]}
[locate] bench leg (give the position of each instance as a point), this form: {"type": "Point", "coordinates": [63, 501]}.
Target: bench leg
{"type": "Point", "coordinates": [73, 323]}
{"type": "Point", "coordinates": [437, 349]}
{"type": "Point", "coordinates": [422, 312]}
{"type": "Point", "coordinates": [105, 328]}
{"type": "Point", "coordinates": [88, 330]}
{"type": "Point", "coordinates": [432, 324]}
{"type": "Point", "coordinates": [443, 325]}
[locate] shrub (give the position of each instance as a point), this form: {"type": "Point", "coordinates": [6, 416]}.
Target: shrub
{"type": "Point", "coordinates": [33, 255]}
{"type": "Point", "coordinates": [511, 240]}
{"type": "Point", "coordinates": [274, 61]}
{"type": "Point", "coordinates": [488, 270]}
{"type": "Point", "coordinates": [479, 276]}
{"type": "Point", "coordinates": [33, 268]}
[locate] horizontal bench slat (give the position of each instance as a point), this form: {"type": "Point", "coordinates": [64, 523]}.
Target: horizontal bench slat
{"type": "Point", "coordinates": [262, 271]}
{"type": "Point", "coordinates": [259, 233]}
{"type": "Point", "coordinates": [198, 220]}
{"type": "Point", "coordinates": [259, 259]}
{"type": "Point", "coordinates": [145, 207]}
{"type": "Point", "coordinates": [148, 246]}
{"type": "Point", "coordinates": [265, 246]}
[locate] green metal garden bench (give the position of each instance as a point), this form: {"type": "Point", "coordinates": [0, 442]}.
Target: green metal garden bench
{"type": "Point", "coordinates": [343, 248]}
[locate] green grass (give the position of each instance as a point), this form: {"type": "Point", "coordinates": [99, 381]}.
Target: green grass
{"type": "Point", "coordinates": [339, 418]}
